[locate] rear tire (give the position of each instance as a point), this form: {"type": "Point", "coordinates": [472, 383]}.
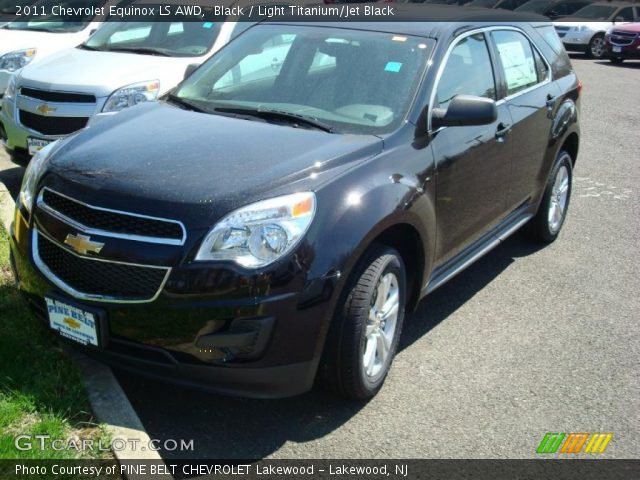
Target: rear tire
{"type": "Point", "coordinates": [365, 332]}
{"type": "Point", "coordinates": [546, 225]}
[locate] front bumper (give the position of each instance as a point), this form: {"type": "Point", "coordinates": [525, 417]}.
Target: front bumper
{"type": "Point", "coordinates": [218, 329]}
{"type": "Point", "coordinates": [626, 52]}
{"type": "Point", "coordinates": [16, 136]}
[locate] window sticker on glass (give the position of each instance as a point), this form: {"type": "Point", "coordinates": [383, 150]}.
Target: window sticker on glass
{"type": "Point", "coordinates": [519, 68]}
{"type": "Point", "coordinates": [207, 25]}
{"type": "Point", "coordinates": [394, 67]}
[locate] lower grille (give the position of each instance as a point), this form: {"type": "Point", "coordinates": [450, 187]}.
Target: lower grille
{"type": "Point", "coordinates": [52, 125]}
{"type": "Point", "coordinates": [94, 279]}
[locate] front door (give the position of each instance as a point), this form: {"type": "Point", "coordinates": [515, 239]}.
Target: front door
{"type": "Point", "coordinates": [474, 162]}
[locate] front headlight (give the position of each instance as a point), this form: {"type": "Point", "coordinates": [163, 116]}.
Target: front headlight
{"type": "Point", "coordinates": [261, 233]}
{"type": "Point", "coordinates": [32, 175]}
{"type": "Point", "coordinates": [132, 95]}
{"type": "Point", "coordinates": [13, 61]}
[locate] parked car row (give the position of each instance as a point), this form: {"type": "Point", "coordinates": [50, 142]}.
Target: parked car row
{"type": "Point", "coordinates": [271, 219]}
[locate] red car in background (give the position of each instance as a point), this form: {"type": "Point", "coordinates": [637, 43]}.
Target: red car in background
{"type": "Point", "coordinates": [623, 42]}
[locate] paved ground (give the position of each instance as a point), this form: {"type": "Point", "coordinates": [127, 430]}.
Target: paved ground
{"type": "Point", "coordinates": [526, 341]}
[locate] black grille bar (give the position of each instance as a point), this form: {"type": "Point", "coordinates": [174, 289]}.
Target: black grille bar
{"type": "Point", "coordinates": [62, 97]}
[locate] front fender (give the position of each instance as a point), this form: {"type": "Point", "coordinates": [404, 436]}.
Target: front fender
{"type": "Point", "coordinates": [354, 210]}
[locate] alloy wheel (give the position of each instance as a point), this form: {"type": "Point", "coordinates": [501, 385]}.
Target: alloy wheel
{"type": "Point", "coordinates": [597, 47]}
{"type": "Point", "coordinates": [558, 203]}
{"type": "Point", "coordinates": [381, 326]}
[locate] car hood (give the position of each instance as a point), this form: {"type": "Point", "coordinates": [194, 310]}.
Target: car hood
{"type": "Point", "coordinates": [629, 27]}
{"type": "Point", "coordinates": [46, 43]}
{"type": "Point", "coordinates": [100, 73]}
{"type": "Point", "coordinates": [160, 160]}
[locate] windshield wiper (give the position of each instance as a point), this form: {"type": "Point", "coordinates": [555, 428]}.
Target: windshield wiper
{"type": "Point", "coordinates": [141, 50]}
{"type": "Point", "coordinates": [84, 46]}
{"type": "Point", "coordinates": [186, 104]}
{"type": "Point", "coordinates": [289, 117]}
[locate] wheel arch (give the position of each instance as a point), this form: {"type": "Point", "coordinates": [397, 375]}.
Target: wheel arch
{"type": "Point", "coordinates": [571, 145]}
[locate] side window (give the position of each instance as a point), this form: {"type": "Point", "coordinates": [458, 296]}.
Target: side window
{"type": "Point", "coordinates": [541, 67]}
{"type": "Point", "coordinates": [518, 61]}
{"type": "Point", "coordinates": [572, 7]}
{"type": "Point", "coordinates": [625, 15]}
{"type": "Point", "coordinates": [468, 71]}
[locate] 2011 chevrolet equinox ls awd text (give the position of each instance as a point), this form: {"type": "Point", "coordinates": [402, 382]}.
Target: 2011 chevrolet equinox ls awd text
{"type": "Point", "coordinates": [270, 224]}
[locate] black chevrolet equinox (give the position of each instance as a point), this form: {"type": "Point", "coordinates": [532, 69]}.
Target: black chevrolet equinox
{"type": "Point", "coordinates": [271, 221]}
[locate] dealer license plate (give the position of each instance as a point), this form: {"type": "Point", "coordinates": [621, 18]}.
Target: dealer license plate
{"type": "Point", "coordinates": [616, 49]}
{"type": "Point", "coordinates": [73, 322]}
{"type": "Point", "coordinates": [36, 144]}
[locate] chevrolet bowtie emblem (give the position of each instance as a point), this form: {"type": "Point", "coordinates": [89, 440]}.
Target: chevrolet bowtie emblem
{"type": "Point", "coordinates": [45, 109]}
{"type": "Point", "coordinates": [83, 244]}
{"type": "Point", "coordinates": [72, 323]}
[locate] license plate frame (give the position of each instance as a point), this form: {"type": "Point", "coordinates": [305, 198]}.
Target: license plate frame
{"type": "Point", "coordinates": [84, 325]}
{"type": "Point", "coordinates": [36, 144]}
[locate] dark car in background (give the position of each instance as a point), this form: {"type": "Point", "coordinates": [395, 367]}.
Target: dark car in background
{"type": "Point", "coordinates": [264, 227]}
{"type": "Point", "coordinates": [553, 8]}
{"type": "Point", "coordinates": [497, 4]}
{"type": "Point", "coordinates": [623, 42]}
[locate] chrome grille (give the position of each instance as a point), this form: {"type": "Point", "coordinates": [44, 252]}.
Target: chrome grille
{"type": "Point", "coordinates": [111, 223]}
{"type": "Point", "coordinates": [622, 39]}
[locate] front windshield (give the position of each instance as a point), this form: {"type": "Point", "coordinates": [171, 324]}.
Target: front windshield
{"type": "Point", "coordinates": [55, 23]}
{"type": "Point", "coordinates": [175, 39]}
{"type": "Point", "coordinates": [536, 6]}
{"type": "Point", "coordinates": [483, 3]}
{"type": "Point", "coordinates": [595, 12]}
{"type": "Point", "coordinates": [354, 81]}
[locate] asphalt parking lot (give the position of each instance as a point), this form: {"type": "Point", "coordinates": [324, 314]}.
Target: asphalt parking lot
{"type": "Point", "coordinates": [526, 341]}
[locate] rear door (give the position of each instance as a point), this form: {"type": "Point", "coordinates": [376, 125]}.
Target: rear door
{"type": "Point", "coordinates": [531, 97]}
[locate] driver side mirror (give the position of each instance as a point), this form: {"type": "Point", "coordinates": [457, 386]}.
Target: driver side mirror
{"type": "Point", "coordinates": [190, 69]}
{"type": "Point", "coordinates": [618, 20]}
{"type": "Point", "coordinates": [464, 111]}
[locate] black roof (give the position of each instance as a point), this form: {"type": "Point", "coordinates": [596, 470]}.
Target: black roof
{"type": "Point", "coordinates": [421, 19]}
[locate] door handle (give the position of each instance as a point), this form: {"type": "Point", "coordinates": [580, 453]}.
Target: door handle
{"type": "Point", "coordinates": [503, 130]}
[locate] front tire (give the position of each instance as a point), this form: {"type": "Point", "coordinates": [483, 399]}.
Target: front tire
{"type": "Point", "coordinates": [364, 336]}
{"type": "Point", "coordinates": [546, 225]}
{"type": "Point", "coordinates": [596, 48]}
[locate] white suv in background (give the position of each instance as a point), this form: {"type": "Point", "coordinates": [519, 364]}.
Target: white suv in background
{"type": "Point", "coordinates": [121, 65]}
{"type": "Point", "coordinates": [584, 31]}
{"type": "Point", "coordinates": [25, 42]}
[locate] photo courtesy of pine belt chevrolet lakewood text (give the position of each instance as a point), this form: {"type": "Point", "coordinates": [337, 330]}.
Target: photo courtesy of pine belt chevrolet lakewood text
{"type": "Point", "coordinates": [269, 225]}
